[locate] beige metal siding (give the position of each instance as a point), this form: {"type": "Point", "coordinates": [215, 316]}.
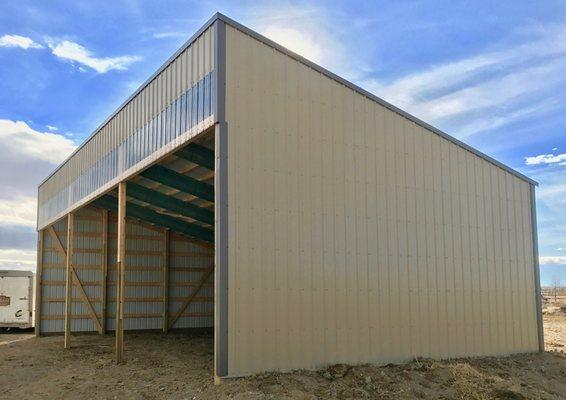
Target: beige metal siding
{"type": "Point", "coordinates": [64, 188]}
{"type": "Point", "coordinates": [356, 235]}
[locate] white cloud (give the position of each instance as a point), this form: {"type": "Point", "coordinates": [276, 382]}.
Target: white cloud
{"type": "Point", "coordinates": [17, 137]}
{"type": "Point", "coordinates": [74, 52]}
{"type": "Point", "coordinates": [546, 159]}
{"type": "Point", "coordinates": [52, 128]}
{"type": "Point", "coordinates": [20, 210]}
{"type": "Point", "coordinates": [26, 157]}
{"type": "Point", "coordinates": [18, 41]}
{"type": "Point", "coordinates": [553, 260]}
{"type": "Point", "coordinates": [18, 259]}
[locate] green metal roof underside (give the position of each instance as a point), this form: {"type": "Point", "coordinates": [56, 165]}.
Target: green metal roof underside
{"type": "Point", "coordinates": [177, 194]}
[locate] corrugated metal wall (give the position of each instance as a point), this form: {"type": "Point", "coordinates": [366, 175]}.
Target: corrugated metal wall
{"type": "Point", "coordinates": [356, 235]}
{"type": "Point", "coordinates": [177, 100]}
{"type": "Point", "coordinates": [145, 251]}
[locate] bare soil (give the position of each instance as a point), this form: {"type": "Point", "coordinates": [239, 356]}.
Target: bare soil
{"type": "Point", "coordinates": [179, 366]}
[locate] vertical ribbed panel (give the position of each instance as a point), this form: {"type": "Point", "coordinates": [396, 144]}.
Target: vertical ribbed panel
{"type": "Point", "coordinates": [356, 235]}
{"type": "Point", "coordinates": [177, 100]}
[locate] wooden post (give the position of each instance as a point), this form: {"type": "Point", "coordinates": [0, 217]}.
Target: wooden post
{"type": "Point", "coordinates": [69, 281]}
{"type": "Point", "coordinates": [166, 245]}
{"type": "Point", "coordinates": [104, 267]}
{"type": "Point", "coordinates": [38, 273]}
{"type": "Point", "coordinates": [121, 272]}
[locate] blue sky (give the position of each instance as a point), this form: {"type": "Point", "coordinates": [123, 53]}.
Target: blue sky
{"type": "Point", "coordinates": [489, 73]}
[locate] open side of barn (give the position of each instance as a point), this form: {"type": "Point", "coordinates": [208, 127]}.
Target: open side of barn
{"type": "Point", "coordinates": [309, 222]}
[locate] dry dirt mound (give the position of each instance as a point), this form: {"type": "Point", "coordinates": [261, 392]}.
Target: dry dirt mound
{"type": "Point", "coordinates": [519, 377]}
{"type": "Point", "coordinates": [179, 366]}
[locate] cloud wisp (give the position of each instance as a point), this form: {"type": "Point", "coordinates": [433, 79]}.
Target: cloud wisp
{"type": "Point", "coordinates": [552, 260]}
{"type": "Point", "coordinates": [487, 90]}
{"type": "Point", "coordinates": [559, 159]}
{"type": "Point", "coordinates": [22, 42]}
{"type": "Point", "coordinates": [75, 53]}
{"type": "Point", "coordinates": [166, 35]}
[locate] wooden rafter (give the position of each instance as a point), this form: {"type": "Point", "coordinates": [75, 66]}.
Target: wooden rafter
{"type": "Point", "coordinates": [189, 299]}
{"type": "Point", "coordinates": [76, 281]}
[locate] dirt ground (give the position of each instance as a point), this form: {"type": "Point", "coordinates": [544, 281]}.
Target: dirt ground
{"type": "Point", "coordinates": [179, 365]}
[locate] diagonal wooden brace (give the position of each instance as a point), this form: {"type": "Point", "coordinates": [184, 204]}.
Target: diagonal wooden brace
{"type": "Point", "coordinates": [76, 280]}
{"type": "Point", "coordinates": [189, 299]}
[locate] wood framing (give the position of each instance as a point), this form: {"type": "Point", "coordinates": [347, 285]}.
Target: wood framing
{"type": "Point", "coordinates": [189, 299]}
{"type": "Point", "coordinates": [104, 277]}
{"type": "Point", "coordinates": [74, 279]}
{"type": "Point", "coordinates": [120, 284]}
{"type": "Point", "coordinates": [68, 280]}
{"type": "Point", "coordinates": [166, 244]}
{"type": "Point", "coordinates": [38, 283]}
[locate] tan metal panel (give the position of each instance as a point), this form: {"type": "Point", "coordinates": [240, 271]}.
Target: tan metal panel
{"type": "Point", "coordinates": [356, 235]}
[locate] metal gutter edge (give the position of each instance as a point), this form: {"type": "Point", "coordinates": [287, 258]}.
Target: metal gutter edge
{"type": "Point", "coordinates": [371, 96]}
{"type": "Point", "coordinates": [194, 37]}
{"type": "Point", "coordinates": [538, 296]}
{"type": "Point", "coordinates": [221, 208]}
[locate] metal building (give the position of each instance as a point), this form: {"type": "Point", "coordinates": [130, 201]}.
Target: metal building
{"type": "Point", "coordinates": [310, 222]}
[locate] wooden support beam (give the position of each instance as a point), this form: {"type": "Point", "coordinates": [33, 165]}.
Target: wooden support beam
{"type": "Point", "coordinates": [104, 271]}
{"type": "Point", "coordinates": [120, 287]}
{"type": "Point", "coordinates": [189, 299]}
{"type": "Point", "coordinates": [166, 260]}
{"type": "Point", "coordinates": [74, 277]}
{"type": "Point", "coordinates": [38, 282]}
{"type": "Point", "coordinates": [68, 281]}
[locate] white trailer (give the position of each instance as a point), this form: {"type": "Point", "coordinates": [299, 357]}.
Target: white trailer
{"type": "Point", "coordinates": [16, 299]}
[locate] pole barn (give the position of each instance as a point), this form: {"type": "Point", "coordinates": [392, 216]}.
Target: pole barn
{"type": "Point", "coordinates": [245, 188]}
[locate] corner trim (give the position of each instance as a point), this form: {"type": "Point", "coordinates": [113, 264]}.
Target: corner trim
{"type": "Point", "coordinates": [220, 208]}
{"type": "Point", "coordinates": [536, 268]}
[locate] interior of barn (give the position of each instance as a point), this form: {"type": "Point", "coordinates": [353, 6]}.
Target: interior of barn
{"type": "Point", "coordinates": [169, 251]}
